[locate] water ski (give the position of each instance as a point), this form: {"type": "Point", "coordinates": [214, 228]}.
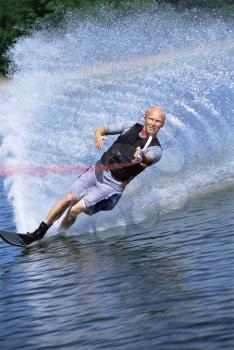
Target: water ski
{"type": "Point", "coordinates": [11, 238]}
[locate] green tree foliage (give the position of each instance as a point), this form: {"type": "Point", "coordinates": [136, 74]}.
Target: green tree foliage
{"type": "Point", "coordinates": [17, 16]}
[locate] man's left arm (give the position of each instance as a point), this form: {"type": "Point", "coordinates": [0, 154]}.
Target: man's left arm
{"type": "Point", "coordinates": [151, 155]}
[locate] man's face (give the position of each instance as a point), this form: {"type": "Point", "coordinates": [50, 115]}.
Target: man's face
{"type": "Point", "coordinates": [154, 120]}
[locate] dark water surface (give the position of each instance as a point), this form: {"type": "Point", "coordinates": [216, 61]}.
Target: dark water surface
{"type": "Point", "coordinates": [170, 287]}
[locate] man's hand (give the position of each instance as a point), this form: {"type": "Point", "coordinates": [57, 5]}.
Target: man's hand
{"type": "Point", "coordinates": [100, 136]}
{"type": "Point", "coordinates": [141, 157]}
{"type": "Point", "coordinates": [99, 141]}
{"type": "Point", "coordinates": [138, 153]}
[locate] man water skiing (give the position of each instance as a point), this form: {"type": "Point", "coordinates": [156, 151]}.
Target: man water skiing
{"type": "Point", "coordinates": [101, 187]}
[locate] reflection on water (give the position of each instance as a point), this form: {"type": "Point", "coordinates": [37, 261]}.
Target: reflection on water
{"type": "Point", "coordinates": [171, 286]}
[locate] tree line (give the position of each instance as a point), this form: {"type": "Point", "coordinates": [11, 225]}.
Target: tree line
{"type": "Point", "coordinates": [18, 16]}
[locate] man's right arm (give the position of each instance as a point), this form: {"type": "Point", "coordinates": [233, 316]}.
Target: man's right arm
{"type": "Point", "coordinates": [100, 136]}
{"type": "Point", "coordinates": [111, 129]}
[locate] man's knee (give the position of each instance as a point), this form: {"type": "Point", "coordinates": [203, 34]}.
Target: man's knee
{"type": "Point", "coordinates": [69, 199]}
{"type": "Point", "coordinates": [77, 208]}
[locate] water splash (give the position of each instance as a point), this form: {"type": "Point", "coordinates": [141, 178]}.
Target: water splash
{"type": "Point", "coordinates": [68, 82]}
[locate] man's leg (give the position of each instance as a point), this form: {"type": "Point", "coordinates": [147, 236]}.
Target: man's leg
{"type": "Point", "coordinates": [54, 214]}
{"type": "Point", "coordinates": [72, 213]}
{"type": "Point", "coordinates": [59, 208]}
{"type": "Point", "coordinates": [104, 197]}
{"type": "Point", "coordinates": [77, 190]}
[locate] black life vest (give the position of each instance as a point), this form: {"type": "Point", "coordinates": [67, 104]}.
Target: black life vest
{"type": "Point", "coordinates": [119, 158]}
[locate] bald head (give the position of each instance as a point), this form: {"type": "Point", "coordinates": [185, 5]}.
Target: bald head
{"type": "Point", "coordinates": [154, 119]}
{"type": "Point", "coordinates": [158, 110]}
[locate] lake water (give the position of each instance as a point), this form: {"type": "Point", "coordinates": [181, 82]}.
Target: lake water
{"type": "Point", "coordinates": [170, 287]}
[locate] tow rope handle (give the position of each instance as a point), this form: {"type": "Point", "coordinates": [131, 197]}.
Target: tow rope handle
{"type": "Point", "coordinates": [144, 148]}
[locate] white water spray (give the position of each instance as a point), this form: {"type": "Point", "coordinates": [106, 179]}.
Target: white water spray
{"type": "Point", "coordinates": [67, 83]}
